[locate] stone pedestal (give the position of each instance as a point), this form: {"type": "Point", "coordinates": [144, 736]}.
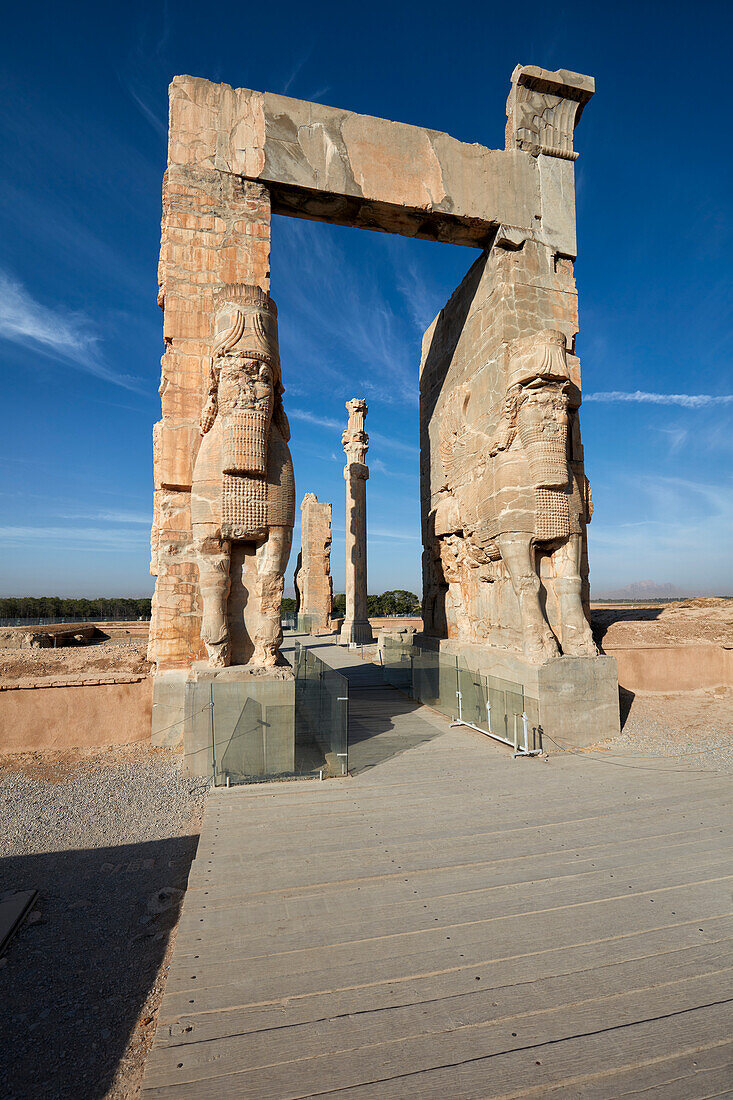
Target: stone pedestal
{"type": "Point", "coordinates": [356, 627]}
{"type": "Point", "coordinates": [577, 697]}
{"type": "Point", "coordinates": [248, 733]}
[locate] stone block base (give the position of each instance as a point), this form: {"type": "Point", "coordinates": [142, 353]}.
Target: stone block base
{"type": "Point", "coordinates": [577, 697]}
{"type": "Point", "coordinates": [235, 723]}
{"type": "Point", "coordinates": [360, 633]}
{"type": "Point", "coordinates": [249, 733]}
{"type": "Point", "coordinates": [169, 709]}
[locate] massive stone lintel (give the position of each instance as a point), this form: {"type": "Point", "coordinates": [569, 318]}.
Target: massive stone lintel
{"type": "Point", "coordinates": [334, 165]}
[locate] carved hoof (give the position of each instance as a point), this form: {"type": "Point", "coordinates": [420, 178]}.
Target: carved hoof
{"type": "Point", "coordinates": [541, 648]}
{"type": "Point", "coordinates": [534, 651]}
{"type": "Point", "coordinates": [265, 656]}
{"type": "Point", "coordinates": [582, 647]}
{"type": "Point", "coordinates": [218, 655]}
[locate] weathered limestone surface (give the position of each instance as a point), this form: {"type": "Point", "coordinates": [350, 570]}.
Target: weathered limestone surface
{"type": "Point", "coordinates": [505, 500]}
{"type": "Point", "coordinates": [356, 627]}
{"type": "Point", "coordinates": [335, 165]}
{"type": "Point", "coordinates": [313, 578]}
{"type": "Point", "coordinates": [215, 230]}
{"type": "Point", "coordinates": [243, 492]}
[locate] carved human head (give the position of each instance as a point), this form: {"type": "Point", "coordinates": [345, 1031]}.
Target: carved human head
{"type": "Point", "coordinates": [539, 383]}
{"type": "Point", "coordinates": [247, 362]}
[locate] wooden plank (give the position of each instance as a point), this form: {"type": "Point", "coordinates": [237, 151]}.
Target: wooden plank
{"type": "Point", "coordinates": [469, 1050]}
{"type": "Point", "coordinates": [332, 935]}
{"type": "Point", "coordinates": [507, 982]}
{"type": "Point", "coordinates": [349, 964]}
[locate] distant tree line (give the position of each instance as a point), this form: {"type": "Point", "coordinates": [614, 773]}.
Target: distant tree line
{"type": "Point", "coordinates": [396, 602]}
{"type": "Point", "coordinates": [52, 607]}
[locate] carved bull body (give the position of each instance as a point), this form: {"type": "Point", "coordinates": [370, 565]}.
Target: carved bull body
{"type": "Point", "coordinates": [243, 488]}
{"type": "Point", "coordinates": [513, 492]}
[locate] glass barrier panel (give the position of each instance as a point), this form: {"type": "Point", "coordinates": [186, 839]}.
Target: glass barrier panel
{"type": "Point", "coordinates": [534, 730]}
{"type": "Point", "coordinates": [197, 739]}
{"type": "Point", "coordinates": [435, 681]}
{"type": "Point", "coordinates": [321, 714]}
{"type": "Point", "coordinates": [241, 731]}
{"type": "Point", "coordinates": [397, 667]}
{"type": "Point", "coordinates": [472, 687]}
{"type": "Point", "coordinates": [515, 708]}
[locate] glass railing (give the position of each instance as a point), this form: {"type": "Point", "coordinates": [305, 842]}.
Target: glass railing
{"type": "Point", "coordinates": [305, 623]}
{"type": "Point", "coordinates": [491, 704]}
{"type": "Point", "coordinates": [259, 728]}
{"type": "Point", "coordinates": [322, 710]}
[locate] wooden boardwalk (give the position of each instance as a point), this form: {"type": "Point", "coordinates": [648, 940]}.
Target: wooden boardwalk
{"type": "Point", "coordinates": [451, 923]}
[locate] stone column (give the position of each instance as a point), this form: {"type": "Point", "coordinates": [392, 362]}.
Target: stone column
{"type": "Point", "coordinates": [313, 582]}
{"type": "Point", "coordinates": [356, 626]}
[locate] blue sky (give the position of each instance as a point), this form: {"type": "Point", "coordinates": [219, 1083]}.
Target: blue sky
{"type": "Point", "coordinates": [83, 138]}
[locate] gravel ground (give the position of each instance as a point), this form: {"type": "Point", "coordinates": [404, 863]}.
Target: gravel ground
{"type": "Point", "coordinates": [114, 655]}
{"type": "Point", "coordinates": [107, 838]}
{"type": "Point", "coordinates": [691, 729]}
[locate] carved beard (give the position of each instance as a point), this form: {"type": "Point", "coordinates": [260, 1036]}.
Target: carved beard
{"type": "Point", "coordinates": [246, 416]}
{"type": "Point", "coordinates": [543, 431]}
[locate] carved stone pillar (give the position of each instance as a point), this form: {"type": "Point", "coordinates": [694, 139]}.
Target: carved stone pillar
{"type": "Point", "coordinates": [356, 626]}
{"type": "Point", "coordinates": [313, 583]}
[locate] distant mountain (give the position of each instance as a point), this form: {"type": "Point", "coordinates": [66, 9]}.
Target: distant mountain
{"type": "Point", "coordinates": [642, 590]}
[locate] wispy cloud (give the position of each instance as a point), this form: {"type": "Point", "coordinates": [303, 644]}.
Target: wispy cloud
{"type": "Point", "coordinates": [335, 319]}
{"type": "Point", "coordinates": [155, 120]}
{"type": "Point", "coordinates": [114, 517]}
{"type": "Point", "coordinates": [320, 421]}
{"type": "Point", "coordinates": [685, 533]}
{"type": "Point", "coordinates": [677, 437]}
{"type": "Point", "coordinates": [319, 93]}
{"type": "Point", "coordinates": [110, 538]}
{"type": "Point", "coordinates": [295, 71]}
{"type": "Point", "coordinates": [423, 304]}
{"type": "Point", "coordinates": [686, 400]}
{"type": "Point", "coordinates": [393, 444]}
{"type": "Point", "coordinates": [333, 425]}
{"type": "Point", "coordinates": [69, 336]}
{"type": "Point", "coordinates": [377, 466]}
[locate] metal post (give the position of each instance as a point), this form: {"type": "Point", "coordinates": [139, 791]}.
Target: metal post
{"type": "Point", "coordinates": [524, 723]}
{"type": "Point", "coordinates": [211, 731]}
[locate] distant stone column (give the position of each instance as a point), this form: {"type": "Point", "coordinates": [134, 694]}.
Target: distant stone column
{"type": "Point", "coordinates": [356, 626]}
{"type": "Point", "coordinates": [313, 581]}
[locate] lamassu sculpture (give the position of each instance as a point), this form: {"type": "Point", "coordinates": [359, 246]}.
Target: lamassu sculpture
{"type": "Point", "coordinates": [243, 493]}
{"type": "Point", "coordinates": [516, 494]}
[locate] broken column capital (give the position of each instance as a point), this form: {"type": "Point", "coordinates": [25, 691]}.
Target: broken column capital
{"type": "Point", "coordinates": [544, 108]}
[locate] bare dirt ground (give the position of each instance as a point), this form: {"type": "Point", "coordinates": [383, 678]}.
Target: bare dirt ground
{"type": "Point", "coordinates": [107, 838]}
{"type": "Point", "coordinates": [121, 656]}
{"type": "Point", "coordinates": [697, 621]}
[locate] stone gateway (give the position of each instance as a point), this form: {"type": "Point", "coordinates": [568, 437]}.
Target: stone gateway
{"type": "Point", "coordinates": [505, 499]}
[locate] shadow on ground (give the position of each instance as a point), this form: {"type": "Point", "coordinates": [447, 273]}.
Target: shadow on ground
{"type": "Point", "coordinates": [625, 700]}
{"type": "Point", "coordinates": [602, 618]}
{"type": "Point", "coordinates": [373, 707]}
{"type": "Point", "coordinates": [73, 984]}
